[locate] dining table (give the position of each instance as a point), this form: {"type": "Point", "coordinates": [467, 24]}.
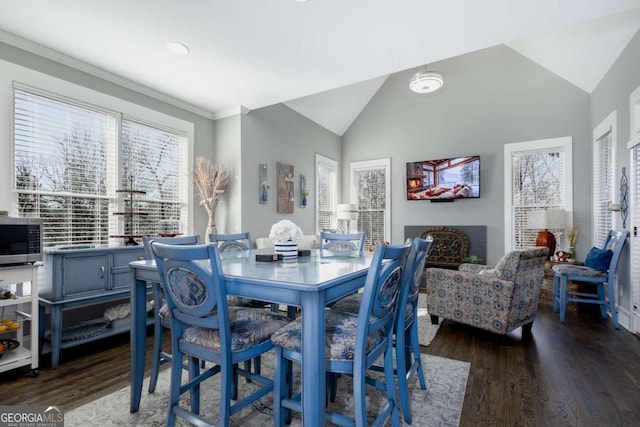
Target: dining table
{"type": "Point", "coordinates": [309, 282]}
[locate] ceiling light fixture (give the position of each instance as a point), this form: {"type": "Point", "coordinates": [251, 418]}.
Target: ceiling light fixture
{"type": "Point", "coordinates": [426, 81]}
{"type": "Point", "coordinates": [177, 48]}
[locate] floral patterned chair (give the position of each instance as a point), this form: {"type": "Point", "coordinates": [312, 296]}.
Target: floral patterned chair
{"type": "Point", "coordinates": [498, 299]}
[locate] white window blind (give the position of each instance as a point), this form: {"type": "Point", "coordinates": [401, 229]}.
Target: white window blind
{"type": "Point", "coordinates": [70, 160]}
{"type": "Point", "coordinates": [537, 181]}
{"type": "Point", "coordinates": [61, 153]}
{"type": "Point", "coordinates": [603, 188]}
{"type": "Point", "coordinates": [326, 191]}
{"type": "Point", "coordinates": [153, 161]}
{"type": "Point", "coordinates": [370, 182]}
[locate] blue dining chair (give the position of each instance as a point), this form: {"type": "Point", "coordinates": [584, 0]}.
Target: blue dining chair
{"type": "Point", "coordinates": [205, 327]}
{"type": "Point", "coordinates": [407, 346]}
{"type": "Point", "coordinates": [160, 312]}
{"type": "Point", "coordinates": [353, 342]}
{"type": "Point", "coordinates": [599, 270]}
{"type": "Point", "coordinates": [341, 242]}
{"type": "Point", "coordinates": [232, 242]}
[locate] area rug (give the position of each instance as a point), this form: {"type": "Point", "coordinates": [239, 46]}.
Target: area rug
{"type": "Point", "coordinates": [439, 405]}
{"type": "Point", "coordinates": [426, 331]}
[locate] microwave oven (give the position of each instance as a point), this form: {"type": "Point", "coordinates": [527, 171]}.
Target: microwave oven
{"type": "Point", "coordinates": [20, 240]}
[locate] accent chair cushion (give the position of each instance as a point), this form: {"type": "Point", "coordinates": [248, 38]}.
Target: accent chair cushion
{"type": "Point", "coordinates": [599, 259]}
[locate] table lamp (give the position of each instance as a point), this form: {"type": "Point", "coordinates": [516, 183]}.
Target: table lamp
{"type": "Point", "coordinates": [545, 219]}
{"type": "Point", "coordinates": [348, 212]}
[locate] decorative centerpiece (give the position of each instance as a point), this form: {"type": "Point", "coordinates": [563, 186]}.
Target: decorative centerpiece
{"type": "Point", "coordinates": [285, 235]}
{"type": "Point", "coordinates": [210, 180]}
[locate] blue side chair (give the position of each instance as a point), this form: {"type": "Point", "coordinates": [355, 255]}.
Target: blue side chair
{"type": "Point", "coordinates": [205, 327]}
{"type": "Point", "coordinates": [160, 311]}
{"type": "Point", "coordinates": [341, 242]}
{"type": "Point", "coordinates": [599, 270]}
{"type": "Point", "coordinates": [407, 346]}
{"type": "Point", "coordinates": [353, 342]}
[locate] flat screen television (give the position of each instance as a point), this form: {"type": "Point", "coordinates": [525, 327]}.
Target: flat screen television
{"type": "Point", "coordinates": [444, 179]}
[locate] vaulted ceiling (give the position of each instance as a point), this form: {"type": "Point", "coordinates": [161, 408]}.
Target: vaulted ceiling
{"type": "Point", "coordinates": [323, 58]}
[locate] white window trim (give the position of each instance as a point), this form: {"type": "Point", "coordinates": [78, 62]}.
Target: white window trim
{"type": "Point", "coordinates": [353, 191]}
{"type": "Point", "coordinates": [565, 143]}
{"type": "Point", "coordinates": [609, 123]}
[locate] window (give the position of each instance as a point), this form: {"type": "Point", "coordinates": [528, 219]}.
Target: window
{"type": "Point", "coordinates": [370, 190]}
{"type": "Point", "coordinates": [538, 176]}
{"type": "Point", "coordinates": [70, 159]}
{"type": "Point", "coordinates": [603, 170]}
{"type": "Point", "coordinates": [326, 191]}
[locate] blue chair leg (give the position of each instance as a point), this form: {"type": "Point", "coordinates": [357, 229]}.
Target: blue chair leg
{"type": "Point", "coordinates": [556, 293]}
{"type": "Point", "coordinates": [156, 358]}
{"type": "Point", "coordinates": [603, 300]}
{"type": "Point", "coordinates": [563, 298]}
{"type": "Point", "coordinates": [279, 388]}
{"type": "Point", "coordinates": [612, 305]}
{"type": "Point", "coordinates": [415, 345]}
{"type": "Point", "coordinates": [194, 371]}
{"type": "Point", "coordinates": [228, 382]}
{"type": "Point", "coordinates": [174, 393]}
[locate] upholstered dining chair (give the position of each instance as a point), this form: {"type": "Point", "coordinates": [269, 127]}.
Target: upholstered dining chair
{"type": "Point", "coordinates": [353, 342]}
{"type": "Point", "coordinates": [599, 271]}
{"type": "Point", "coordinates": [406, 344]}
{"type": "Point", "coordinates": [160, 311]}
{"type": "Point", "coordinates": [341, 242]}
{"type": "Point", "coordinates": [205, 327]}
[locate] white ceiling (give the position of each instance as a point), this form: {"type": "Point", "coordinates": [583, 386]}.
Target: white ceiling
{"type": "Point", "coordinates": [323, 58]}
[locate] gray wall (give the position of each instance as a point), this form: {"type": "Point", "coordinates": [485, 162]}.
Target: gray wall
{"type": "Point", "coordinates": [280, 134]}
{"type": "Point", "coordinates": [612, 94]}
{"type": "Point", "coordinates": [491, 98]}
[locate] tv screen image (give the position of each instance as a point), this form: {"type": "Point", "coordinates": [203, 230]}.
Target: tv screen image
{"type": "Point", "coordinates": [444, 179]}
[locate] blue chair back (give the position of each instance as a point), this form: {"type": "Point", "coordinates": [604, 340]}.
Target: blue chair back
{"type": "Point", "coordinates": [615, 242]}
{"type": "Point", "coordinates": [194, 286]}
{"type": "Point", "coordinates": [179, 240]}
{"type": "Point", "coordinates": [232, 242]}
{"type": "Point", "coordinates": [414, 270]}
{"type": "Point", "coordinates": [379, 300]}
{"type": "Point", "coordinates": [342, 242]}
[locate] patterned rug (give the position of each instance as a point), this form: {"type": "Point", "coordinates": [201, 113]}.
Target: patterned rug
{"type": "Point", "coordinates": [426, 331]}
{"type": "Point", "coordinates": [439, 405]}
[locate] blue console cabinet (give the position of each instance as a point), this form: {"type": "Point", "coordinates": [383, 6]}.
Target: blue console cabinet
{"type": "Point", "coordinates": [80, 277]}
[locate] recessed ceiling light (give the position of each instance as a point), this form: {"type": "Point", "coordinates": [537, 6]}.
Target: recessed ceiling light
{"type": "Point", "coordinates": [426, 82]}
{"type": "Point", "coordinates": [177, 48]}
{"type": "Point", "coordinates": [300, 1]}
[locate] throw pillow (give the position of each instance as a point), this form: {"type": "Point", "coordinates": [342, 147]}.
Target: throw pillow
{"type": "Point", "coordinates": [599, 259]}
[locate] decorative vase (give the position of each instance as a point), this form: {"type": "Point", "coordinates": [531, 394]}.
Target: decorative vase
{"type": "Point", "coordinates": [288, 250]}
{"type": "Point", "coordinates": [263, 196]}
{"type": "Point", "coordinates": [572, 252]}
{"type": "Point", "coordinates": [304, 201]}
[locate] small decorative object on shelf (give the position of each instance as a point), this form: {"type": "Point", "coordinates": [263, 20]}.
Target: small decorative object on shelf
{"type": "Point", "coordinates": [210, 181]}
{"type": "Point", "coordinates": [130, 214]}
{"type": "Point", "coordinates": [7, 345]}
{"type": "Point", "coordinates": [169, 228]}
{"type": "Point", "coordinates": [572, 235]}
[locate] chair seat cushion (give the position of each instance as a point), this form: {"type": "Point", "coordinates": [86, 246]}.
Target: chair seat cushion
{"type": "Point", "coordinates": [340, 335]}
{"type": "Point", "coordinates": [351, 304]}
{"type": "Point", "coordinates": [577, 270]}
{"type": "Point", "coordinates": [249, 327]}
{"type": "Point", "coordinates": [599, 259]}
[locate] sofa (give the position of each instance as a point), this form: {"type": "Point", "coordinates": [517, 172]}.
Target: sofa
{"type": "Point", "coordinates": [498, 299]}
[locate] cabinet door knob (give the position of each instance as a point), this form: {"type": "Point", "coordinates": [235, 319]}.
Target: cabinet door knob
{"type": "Point", "coordinates": [102, 271]}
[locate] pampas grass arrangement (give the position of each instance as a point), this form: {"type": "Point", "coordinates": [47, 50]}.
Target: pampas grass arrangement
{"type": "Point", "coordinates": [210, 180]}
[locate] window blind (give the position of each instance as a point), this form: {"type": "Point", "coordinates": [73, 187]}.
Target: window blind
{"type": "Point", "coordinates": [603, 188]}
{"type": "Point", "coordinates": [371, 198]}
{"type": "Point", "coordinates": [327, 197]}
{"type": "Point", "coordinates": [61, 153]}
{"type": "Point", "coordinates": [153, 161]}
{"type": "Point", "coordinates": [537, 178]}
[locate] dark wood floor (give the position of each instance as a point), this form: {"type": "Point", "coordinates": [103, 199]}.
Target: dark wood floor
{"type": "Point", "coordinates": [581, 373]}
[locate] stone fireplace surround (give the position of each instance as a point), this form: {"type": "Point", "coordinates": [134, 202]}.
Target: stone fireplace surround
{"type": "Point", "coordinates": [477, 235]}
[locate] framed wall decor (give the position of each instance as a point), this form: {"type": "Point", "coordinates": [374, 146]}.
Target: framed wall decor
{"type": "Point", "coordinates": [285, 187]}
